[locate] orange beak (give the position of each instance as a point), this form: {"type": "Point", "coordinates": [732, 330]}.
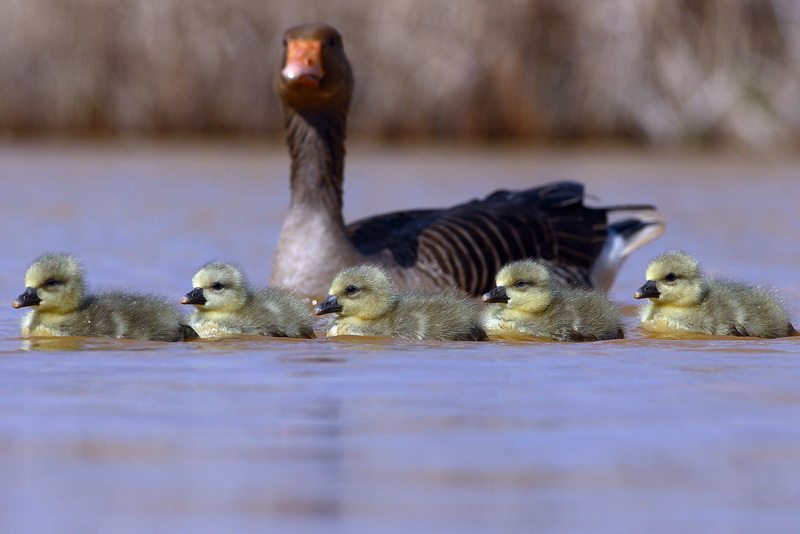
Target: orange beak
{"type": "Point", "coordinates": [303, 63]}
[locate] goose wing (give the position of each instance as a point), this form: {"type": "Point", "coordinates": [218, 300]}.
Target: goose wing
{"type": "Point", "coordinates": [471, 241]}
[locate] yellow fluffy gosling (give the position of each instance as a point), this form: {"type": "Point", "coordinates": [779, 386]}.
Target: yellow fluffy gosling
{"type": "Point", "coordinates": [225, 305]}
{"type": "Point", "coordinates": [367, 304]}
{"type": "Point", "coordinates": [683, 300]}
{"type": "Point", "coordinates": [56, 291]}
{"type": "Point", "coordinates": [528, 301]}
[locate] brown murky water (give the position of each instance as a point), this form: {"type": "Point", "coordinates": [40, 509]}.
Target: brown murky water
{"type": "Point", "coordinates": [372, 435]}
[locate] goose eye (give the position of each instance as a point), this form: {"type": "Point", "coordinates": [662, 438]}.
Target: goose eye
{"type": "Point", "coordinates": [51, 282]}
{"type": "Point", "coordinates": [520, 283]}
{"type": "Point", "coordinates": [284, 42]}
{"type": "Point", "coordinates": [671, 277]}
{"type": "Point", "coordinates": [217, 286]}
{"type": "Point", "coordinates": [351, 290]}
{"type": "Point", "coordinates": [332, 41]}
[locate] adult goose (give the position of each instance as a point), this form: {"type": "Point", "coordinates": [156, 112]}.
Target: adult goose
{"type": "Point", "coordinates": [462, 246]}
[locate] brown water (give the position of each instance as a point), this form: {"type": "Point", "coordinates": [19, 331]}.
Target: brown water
{"type": "Point", "coordinates": [371, 435]}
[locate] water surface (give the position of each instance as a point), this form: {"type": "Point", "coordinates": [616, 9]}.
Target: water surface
{"type": "Point", "coordinates": [367, 435]}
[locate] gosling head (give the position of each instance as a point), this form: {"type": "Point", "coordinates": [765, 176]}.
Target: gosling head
{"type": "Point", "coordinates": [673, 278]}
{"type": "Point", "coordinates": [218, 286]}
{"type": "Point", "coordinates": [524, 285]}
{"type": "Point", "coordinates": [365, 292]}
{"type": "Point", "coordinates": [53, 283]}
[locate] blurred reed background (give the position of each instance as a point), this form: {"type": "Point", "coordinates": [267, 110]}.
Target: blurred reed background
{"type": "Point", "coordinates": [656, 72]}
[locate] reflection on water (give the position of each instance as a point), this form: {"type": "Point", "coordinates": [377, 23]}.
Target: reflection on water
{"type": "Point", "coordinates": [645, 434]}
{"type": "Point", "coordinates": [70, 344]}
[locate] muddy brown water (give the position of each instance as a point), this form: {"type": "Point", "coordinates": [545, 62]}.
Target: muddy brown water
{"type": "Point", "coordinates": [375, 435]}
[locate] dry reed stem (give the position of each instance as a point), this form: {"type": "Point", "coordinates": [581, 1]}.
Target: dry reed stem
{"type": "Point", "coordinates": [661, 72]}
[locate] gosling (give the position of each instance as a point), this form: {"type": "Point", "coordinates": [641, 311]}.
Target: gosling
{"type": "Point", "coordinates": [367, 304]}
{"type": "Point", "coordinates": [529, 302]}
{"type": "Point", "coordinates": [56, 291]}
{"type": "Point", "coordinates": [225, 305]}
{"type": "Point", "coordinates": [682, 299]}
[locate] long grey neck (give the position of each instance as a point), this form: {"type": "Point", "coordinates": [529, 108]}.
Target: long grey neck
{"type": "Point", "coordinates": [313, 245]}
{"type": "Point", "coordinates": [316, 145]}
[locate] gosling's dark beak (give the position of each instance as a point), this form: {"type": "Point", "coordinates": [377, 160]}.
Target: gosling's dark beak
{"type": "Point", "coordinates": [28, 298]}
{"type": "Point", "coordinates": [497, 294]}
{"type": "Point", "coordinates": [647, 291]}
{"type": "Point", "coordinates": [330, 305]}
{"type": "Point", "coordinates": [195, 296]}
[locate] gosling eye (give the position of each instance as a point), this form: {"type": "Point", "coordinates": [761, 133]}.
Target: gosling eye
{"type": "Point", "coordinates": [217, 286]}
{"type": "Point", "coordinates": [351, 290]}
{"type": "Point", "coordinates": [671, 277]}
{"type": "Point", "coordinates": [520, 283]}
{"type": "Point", "coordinates": [51, 282]}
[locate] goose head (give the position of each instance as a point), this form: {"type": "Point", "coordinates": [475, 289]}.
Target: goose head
{"type": "Point", "coordinates": [218, 286]}
{"type": "Point", "coordinates": [53, 283]}
{"type": "Point", "coordinates": [366, 292]}
{"type": "Point", "coordinates": [673, 278]}
{"type": "Point", "coordinates": [523, 285]}
{"type": "Point", "coordinates": [314, 74]}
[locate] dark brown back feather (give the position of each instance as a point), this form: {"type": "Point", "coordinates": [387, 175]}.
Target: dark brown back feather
{"type": "Point", "coordinates": [472, 241]}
